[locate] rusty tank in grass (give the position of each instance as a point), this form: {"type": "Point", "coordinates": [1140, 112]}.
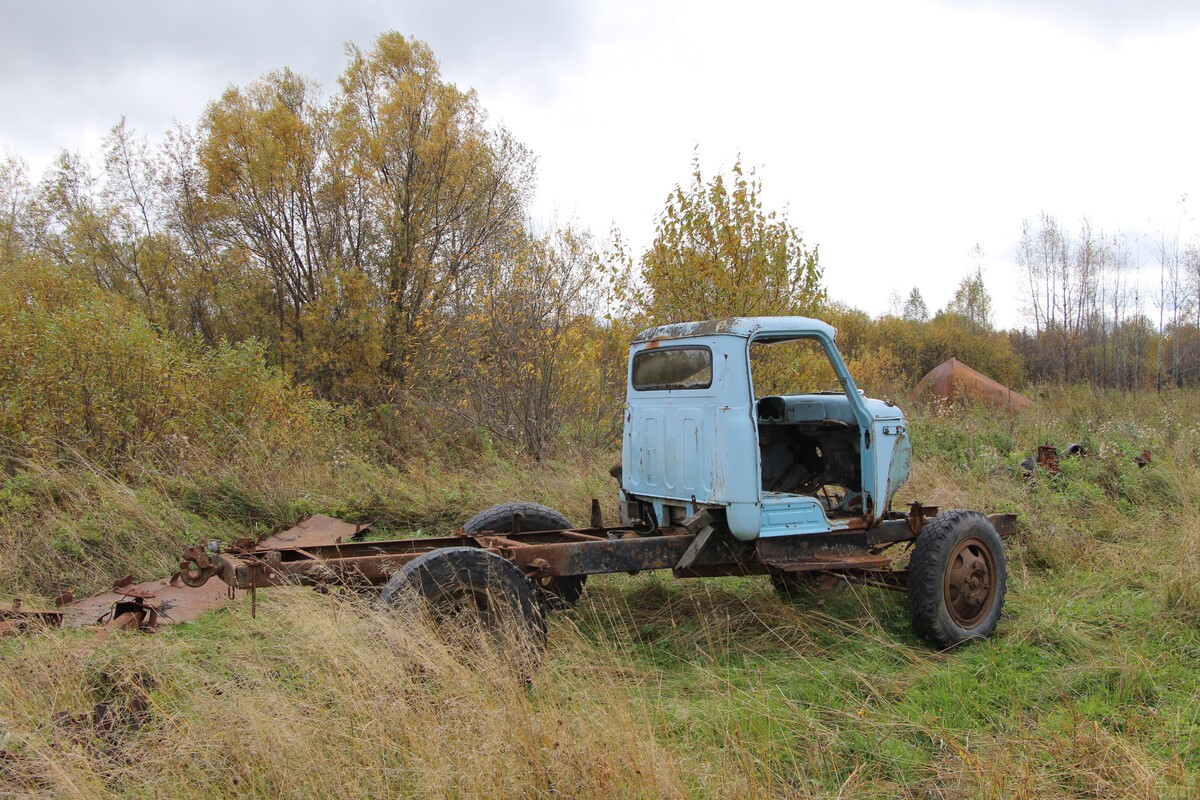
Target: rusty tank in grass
{"type": "Point", "coordinates": [717, 478]}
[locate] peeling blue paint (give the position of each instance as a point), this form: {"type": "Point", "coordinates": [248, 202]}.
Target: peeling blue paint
{"type": "Point", "coordinates": [689, 447]}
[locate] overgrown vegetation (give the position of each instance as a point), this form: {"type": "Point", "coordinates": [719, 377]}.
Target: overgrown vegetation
{"type": "Point", "coordinates": [652, 687]}
{"type": "Point", "coordinates": [339, 304]}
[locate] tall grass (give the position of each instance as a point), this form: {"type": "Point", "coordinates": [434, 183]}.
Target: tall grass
{"type": "Point", "coordinates": [651, 687]}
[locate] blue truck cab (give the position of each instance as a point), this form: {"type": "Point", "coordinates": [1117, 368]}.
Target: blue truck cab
{"type": "Point", "coordinates": [697, 438]}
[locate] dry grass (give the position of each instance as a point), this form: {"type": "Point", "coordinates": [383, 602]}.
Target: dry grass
{"type": "Point", "coordinates": [324, 697]}
{"type": "Point", "coordinates": [650, 688]}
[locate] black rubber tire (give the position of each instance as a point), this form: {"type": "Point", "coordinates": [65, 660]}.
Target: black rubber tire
{"type": "Point", "coordinates": [562, 592]}
{"type": "Point", "coordinates": [964, 544]}
{"type": "Point", "coordinates": [501, 602]}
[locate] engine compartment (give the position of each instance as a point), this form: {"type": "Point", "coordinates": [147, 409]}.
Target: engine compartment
{"type": "Point", "coordinates": [809, 445]}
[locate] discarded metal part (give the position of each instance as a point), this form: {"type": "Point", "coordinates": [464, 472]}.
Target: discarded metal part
{"type": "Point", "coordinates": [597, 517]}
{"type": "Point", "coordinates": [107, 720]}
{"type": "Point", "coordinates": [1143, 459]}
{"type": "Point", "coordinates": [316, 530]}
{"type": "Point", "coordinates": [171, 604]}
{"type": "Point", "coordinates": [1005, 524]}
{"type": "Point", "coordinates": [137, 609]}
{"type": "Point", "coordinates": [1047, 459]}
{"type": "Point", "coordinates": [135, 613]}
{"type": "Point", "coordinates": [1074, 450]}
{"type": "Point", "coordinates": [16, 619]}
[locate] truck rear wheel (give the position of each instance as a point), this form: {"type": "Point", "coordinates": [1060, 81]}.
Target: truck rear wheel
{"type": "Point", "coordinates": [561, 592]}
{"type": "Point", "coordinates": [957, 577]}
{"type": "Point", "coordinates": [477, 600]}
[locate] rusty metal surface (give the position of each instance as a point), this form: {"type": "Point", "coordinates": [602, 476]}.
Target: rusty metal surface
{"type": "Point", "coordinates": [818, 563]}
{"type": "Point", "coordinates": [556, 554]}
{"type": "Point", "coordinates": [1005, 524]}
{"type": "Point", "coordinates": [1047, 459]}
{"type": "Point", "coordinates": [316, 531]}
{"type": "Point", "coordinates": [970, 582]}
{"type": "Point", "coordinates": [172, 604]}
{"type": "Point", "coordinates": [16, 619]}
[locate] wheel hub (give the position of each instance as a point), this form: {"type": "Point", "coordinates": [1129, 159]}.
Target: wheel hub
{"type": "Point", "coordinates": [970, 582]}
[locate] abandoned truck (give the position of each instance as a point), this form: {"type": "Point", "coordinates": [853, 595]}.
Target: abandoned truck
{"type": "Point", "coordinates": [725, 470]}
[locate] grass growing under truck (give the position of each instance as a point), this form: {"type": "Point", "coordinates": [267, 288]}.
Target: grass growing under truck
{"type": "Point", "coordinates": [650, 687]}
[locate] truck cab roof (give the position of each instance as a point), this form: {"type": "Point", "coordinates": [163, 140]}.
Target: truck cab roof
{"type": "Point", "coordinates": [744, 327]}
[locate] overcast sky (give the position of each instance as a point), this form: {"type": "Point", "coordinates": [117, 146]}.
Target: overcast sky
{"type": "Point", "coordinates": [897, 135]}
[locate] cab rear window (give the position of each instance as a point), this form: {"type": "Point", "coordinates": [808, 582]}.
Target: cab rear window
{"type": "Point", "coordinates": [672, 368]}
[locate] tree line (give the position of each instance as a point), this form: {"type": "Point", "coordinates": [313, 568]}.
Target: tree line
{"type": "Point", "coordinates": [375, 245]}
{"type": "Point", "coordinates": [1096, 320]}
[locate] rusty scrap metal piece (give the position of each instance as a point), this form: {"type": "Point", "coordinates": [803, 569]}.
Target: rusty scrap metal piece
{"type": "Point", "coordinates": [597, 518]}
{"type": "Point", "coordinates": [172, 603]}
{"type": "Point", "coordinates": [315, 531]}
{"type": "Point", "coordinates": [1047, 459]}
{"type": "Point", "coordinates": [136, 612]}
{"type": "Point", "coordinates": [1143, 459]}
{"type": "Point", "coordinates": [1005, 524]}
{"type": "Point", "coordinates": [16, 619]}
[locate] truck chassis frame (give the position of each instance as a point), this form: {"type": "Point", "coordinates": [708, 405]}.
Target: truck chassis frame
{"type": "Point", "coordinates": [699, 547]}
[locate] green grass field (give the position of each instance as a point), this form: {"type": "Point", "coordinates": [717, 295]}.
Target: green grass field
{"type": "Point", "coordinates": [651, 687]}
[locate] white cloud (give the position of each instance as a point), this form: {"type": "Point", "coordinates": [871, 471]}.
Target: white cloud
{"type": "Point", "coordinates": [898, 135]}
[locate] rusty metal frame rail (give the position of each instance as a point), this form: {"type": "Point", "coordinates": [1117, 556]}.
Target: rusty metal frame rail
{"type": "Point", "coordinates": [566, 553]}
{"type": "Point", "coordinates": [539, 554]}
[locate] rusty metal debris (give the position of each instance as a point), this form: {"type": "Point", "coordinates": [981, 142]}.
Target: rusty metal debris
{"type": "Point", "coordinates": [168, 601]}
{"type": "Point", "coordinates": [145, 606]}
{"type": "Point", "coordinates": [313, 532]}
{"type": "Point", "coordinates": [106, 722]}
{"type": "Point", "coordinates": [16, 619]}
{"type": "Point", "coordinates": [1046, 459]}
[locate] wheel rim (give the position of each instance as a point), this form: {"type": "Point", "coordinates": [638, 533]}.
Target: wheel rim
{"type": "Point", "coordinates": [970, 582]}
{"type": "Point", "coordinates": [459, 604]}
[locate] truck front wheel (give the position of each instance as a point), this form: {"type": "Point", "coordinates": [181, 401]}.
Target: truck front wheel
{"type": "Point", "coordinates": [957, 577]}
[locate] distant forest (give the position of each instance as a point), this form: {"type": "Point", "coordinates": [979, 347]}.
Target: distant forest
{"type": "Point", "coordinates": [374, 247]}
